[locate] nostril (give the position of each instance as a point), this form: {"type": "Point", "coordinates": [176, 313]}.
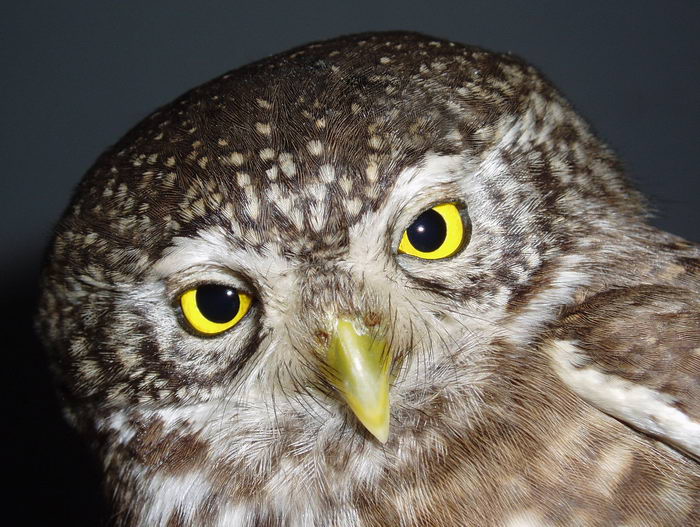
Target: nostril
{"type": "Point", "coordinates": [372, 319]}
{"type": "Point", "coordinates": [322, 336]}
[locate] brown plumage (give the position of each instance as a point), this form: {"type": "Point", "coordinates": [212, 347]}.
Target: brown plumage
{"type": "Point", "coordinates": [541, 370]}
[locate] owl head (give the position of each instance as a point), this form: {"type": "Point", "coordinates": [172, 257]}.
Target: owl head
{"type": "Point", "coordinates": [312, 264]}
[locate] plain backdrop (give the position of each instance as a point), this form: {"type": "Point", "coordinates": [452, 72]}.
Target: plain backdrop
{"type": "Point", "coordinates": [76, 75]}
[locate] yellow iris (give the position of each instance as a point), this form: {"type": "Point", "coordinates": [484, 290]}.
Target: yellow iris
{"type": "Point", "coordinates": [212, 309]}
{"type": "Point", "coordinates": [437, 233]}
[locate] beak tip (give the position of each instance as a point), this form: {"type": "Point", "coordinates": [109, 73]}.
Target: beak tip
{"type": "Point", "coordinates": [382, 435]}
{"type": "Point", "coordinates": [380, 430]}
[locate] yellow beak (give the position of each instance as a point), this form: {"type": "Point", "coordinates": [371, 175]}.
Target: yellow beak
{"type": "Point", "coordinates": [360, 367]}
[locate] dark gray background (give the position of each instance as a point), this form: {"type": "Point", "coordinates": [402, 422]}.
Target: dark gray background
{"type": "Point", "coordinates": [76, 75]}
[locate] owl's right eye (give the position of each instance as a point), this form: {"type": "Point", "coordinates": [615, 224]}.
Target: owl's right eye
{"type": "Point", "coordinates": [211, 309]}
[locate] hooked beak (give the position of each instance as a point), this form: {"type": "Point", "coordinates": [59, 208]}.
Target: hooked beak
{"type": "Point", "coordinates": [360, 371]}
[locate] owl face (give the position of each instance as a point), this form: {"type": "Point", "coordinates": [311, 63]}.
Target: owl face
{"type": "Point", "coordinates": [310, 265]}
{"type": "Point", "coordinates": [246, 332]}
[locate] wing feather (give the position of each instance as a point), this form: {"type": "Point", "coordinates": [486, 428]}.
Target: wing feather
{"type": "Point", "coordinates": [634, 353]}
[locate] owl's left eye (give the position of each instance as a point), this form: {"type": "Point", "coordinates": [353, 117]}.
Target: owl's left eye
{"type": "Point", "coordinates": [437, 233]}
{"type": "Point", "coordinates": [212, 309]}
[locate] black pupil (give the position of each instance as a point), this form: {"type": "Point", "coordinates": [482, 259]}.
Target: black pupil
{"type": "Point", "coordinates": [217, 303]}
{"type": "Point", "coordinates": [428, 232]}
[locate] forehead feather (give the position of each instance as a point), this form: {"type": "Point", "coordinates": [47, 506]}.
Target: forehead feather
{"type": "Point", "coordinates": [303, 143]}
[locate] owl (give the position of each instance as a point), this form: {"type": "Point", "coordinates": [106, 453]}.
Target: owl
{"type": "Point", "coordinates": [381, 280]}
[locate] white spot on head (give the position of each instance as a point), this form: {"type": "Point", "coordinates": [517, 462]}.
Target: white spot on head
{"type": "Point", "coordinates": [252, 206]}
{"type": "Point", "coordinates": [345, 183]}
{"type": "Point", "coordinates": [267, 154]}
{"type": "Point", "coordinates": [287, 165]}
{"type": "Point", "coordinates": [327, 173]}
{"type": "Point", "coordinates": [315, 147]}
{"type": "Point", "coordinates": [235, 158]}
{"type": "Point", "coordinates": [242, 179]}
{"type": "Point", "coordinates": [375, 142]}
{"type": "Point", "coordinates": [354, 206]}
{"type": "Point", "coordinates": [169, 179]}
{"type": "Point", "coordinates": [263, 128]}
{"type": "Point", "coordinates": [317, 212]}
{"type": "Point", "coordinates": [372, 171]}
{"type": "Point", "coordinates": [296, 216]}
{"type": "Point", "coordinates": [271, 173]}
{"type": "Point", "coordinates": [280, 199]}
